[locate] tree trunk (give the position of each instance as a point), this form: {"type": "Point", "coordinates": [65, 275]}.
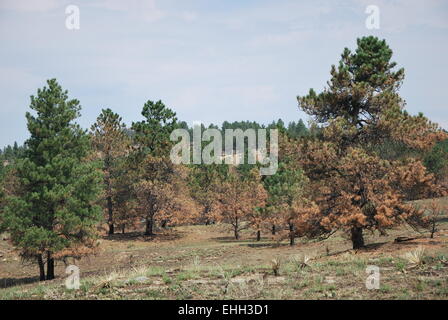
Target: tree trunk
{"type": "Point", "coordinates": [273, 229]}
{"type": "Point", "coordinates": [235, 229]}
{"type": "Point", "coordinates": [357, 238]}
{"type": "Point", "coordinates": [258, 235]}
{"type": "Point", "coordinates": [107, 165]}
{"type": "Point", "coordinates": [149, 226]}
{"type": "Point", "coordinates": [237, 235]}
{"type": "Point", "coordinates": [50, 267]}
{"type": "Point", "coordinates": [433, 229]}
{"type": "Point", "coordinates": [206, 211]}
{"type": "Point", "coordinates": [111, 216]}
{"type": "Point", "coordinates": [122, 229]}
{"type": "Point", "coordinates": [40, 261]}
{"type": "Point", "coordinates": [291, 234]}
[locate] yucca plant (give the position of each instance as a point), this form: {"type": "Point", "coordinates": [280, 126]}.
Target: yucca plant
{"type": "Point", "coordinates": [275, 264]}
{"type": "Point", "coordinates": [415, 257]}
{"type": "Point", "coordinates": [301, 261]}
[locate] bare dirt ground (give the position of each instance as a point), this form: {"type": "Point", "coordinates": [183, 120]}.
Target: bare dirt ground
{"type": "Point", "coordinates": [205, 262]}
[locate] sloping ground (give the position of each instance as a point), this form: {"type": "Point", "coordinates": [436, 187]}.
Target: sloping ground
{"type": "Point", "coordinates": [204, 262]}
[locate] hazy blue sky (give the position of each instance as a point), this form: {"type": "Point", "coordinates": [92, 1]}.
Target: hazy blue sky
{"type": "Point", "coordinates": [208, 60]}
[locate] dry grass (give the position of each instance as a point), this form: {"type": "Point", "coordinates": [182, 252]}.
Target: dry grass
{"type": "Point", "coordinates": [203, 262]}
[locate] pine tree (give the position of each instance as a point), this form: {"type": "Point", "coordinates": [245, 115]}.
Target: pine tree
{"type": "Point", "coordinates": [437, 161]}
{"type": "Point", "coordinates": [51, 215]}
{"type": "Point", "coordinates": [126, 213]}
{"type": "Point", "coordinates": [288, 203]}
{"type": "Point", "coordinates": [360, 110]}
{"type": "Point", "coordinates": [239, 197]}
{"type": "Point", "coordinates": [111, 144]}
{"type": "Point", "coordinates": [204, 184]}
{"type": "Point", "coordinates": [150, 163]}
{"type": "Point", "coordinates": [152, 134]}
{"type": "Point", "coordinates": [163, 195]}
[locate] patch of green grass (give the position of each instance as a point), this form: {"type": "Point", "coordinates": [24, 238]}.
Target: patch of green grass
{"type": "Point", "coordinates": [341, 272]}
{"type": "Point", "coordinates": [320, 290]}
{"type": "Point", "coordinates": [333, 263]}
{"type": "Point", "coordinates": [300, 284]}
{"type": "Point", "coordinates": [323, 288]}
{"type": "Point", "coordinates": [247, 269]}
{"type": "Point", "coordinates": [360, 264]}
{"type": "Point", "coordinates": [443, 291]}
{"type": "Point", "coordinates": [39, 290]}
{"type": "Point", "coordinates": [12, 293]}
{"type": "Point", "coordinates": [385, 288]}
{"type": "Point", "coordinates": [404, 295]}
{"type": "Point", "coordinates": [442, 257]}
{"type": "Point", "coordinates": [154, 294]}
{"type": "Point", "coordinates": [17, 293]}
{"type": "Point", "coordinates": [186, 275]}
{"type": "Point", "coordinates": [400, 265]}
{"type": "Point", "coordinates": [180, 292]}
{"type": "Point", "coordinates": [166, 279]}
{"type": "Point", "coordinates": [420, 286]}
{"type": "Point", "coordinates": [131, 282]}
{"type": "Point", "coordinates": [155, 271]}
{"type": "Point", "coordinates": [385, 261]}
{"type": "Point", "coordinates": [85, 285]}
{"type": "Point", "coordinates": [103, 291]}
{"type": "Point", "coordinates": [434, 282]}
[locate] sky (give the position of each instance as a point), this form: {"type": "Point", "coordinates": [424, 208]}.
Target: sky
{"type": "Point", "coordinates": [208, 60]}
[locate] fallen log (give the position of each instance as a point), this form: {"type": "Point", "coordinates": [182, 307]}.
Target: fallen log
{"type": "Point", "coordinates": [403, 239]}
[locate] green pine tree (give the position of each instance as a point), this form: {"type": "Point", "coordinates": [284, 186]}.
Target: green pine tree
{"type": "Point", "coordinates": [151, 164]}
{"type": "Point", "coordinates": [152, 135]}
{"type": "Point", "coordinates": [285, 188]}
{"type": "Point", "coordinates": [51, 214]}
